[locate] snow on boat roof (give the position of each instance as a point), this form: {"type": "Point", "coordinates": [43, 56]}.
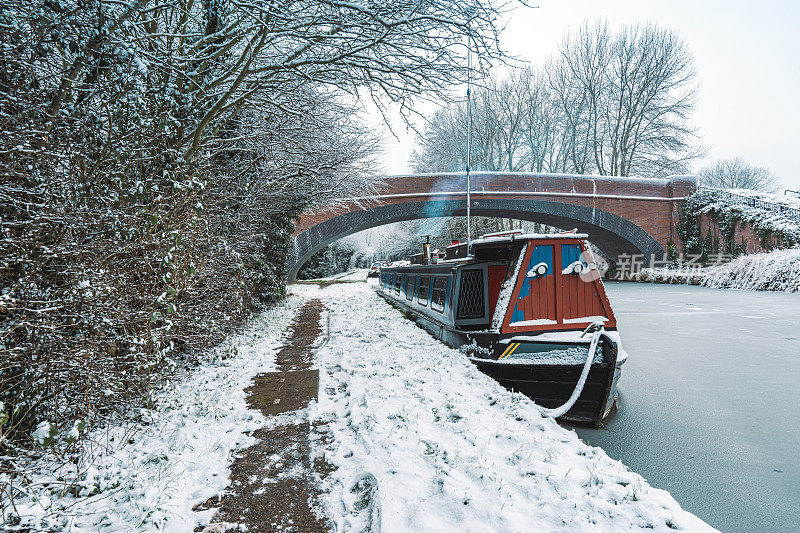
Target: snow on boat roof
{"type": "Point", "coordinates": [528, 236]}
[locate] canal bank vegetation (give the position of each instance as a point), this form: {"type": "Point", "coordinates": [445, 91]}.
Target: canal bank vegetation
{"type": "Point", "coordinates": [778, 270]}
{"type": "Point", "coordinates": [730, 210]}
{"type": "Point", "coordinates": [718, 259]}
{"type": "Point", "coordinates": [153, 157]}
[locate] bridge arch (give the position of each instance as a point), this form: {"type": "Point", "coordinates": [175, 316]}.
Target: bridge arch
{"type": "Point", "coordinates": [613, 234]}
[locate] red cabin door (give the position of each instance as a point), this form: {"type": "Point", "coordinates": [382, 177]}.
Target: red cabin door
{"type": "Point", "coordinates": [536, 301]}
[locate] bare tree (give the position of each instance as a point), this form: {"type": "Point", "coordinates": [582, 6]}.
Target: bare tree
{"type": "Point", "coordinates": [498, 121]}
{"type": "Point", "coordinates": [638, 91]}
{"type": "Point", "coordinates": [578, 79]}
{"type": "Point", "coordinates": [614, 104]}
{"type": "Point", "coordinates": [444, 144]}
{"type": "Point", "coordinates": [510, 107]}
{"type": "Point", "coordinates": [540, 124]}
{"type": "Point", "coordinates": [736, 173]}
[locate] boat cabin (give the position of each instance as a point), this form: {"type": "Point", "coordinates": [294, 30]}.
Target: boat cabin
{"type": "Point", "coordinates": [510, 283]}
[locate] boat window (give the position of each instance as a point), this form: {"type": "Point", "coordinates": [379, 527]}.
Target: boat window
{"type": "Point", "coordinates": [470, 295]}
{"type": "Point", "coordinates": [398, 282]}
{"type": "Point", "coordinates": [424, 287]}
{"type": "Point", "coordinates": [411, 286]}
{"type": "Point", "coordinates": [438, 293]}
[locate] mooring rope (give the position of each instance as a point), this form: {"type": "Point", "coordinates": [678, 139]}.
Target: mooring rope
{"type": "Point", "coordinates": [558, 411]}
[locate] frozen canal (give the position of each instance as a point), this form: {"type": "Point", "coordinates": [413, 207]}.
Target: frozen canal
{"type": "Point", "coordinates": [709, 401]}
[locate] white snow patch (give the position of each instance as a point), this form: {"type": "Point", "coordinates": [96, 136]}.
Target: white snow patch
{"type": "Point", "coordinates": [42, 431]}
{"type": "Point", "coordinates": [574, 355]}
{"type": "Point", "coordinates": [534, 322]}
{"type": "Point", "coordinates": [422, 441]}
{"type": "Point", "coordinates": [582, 319]}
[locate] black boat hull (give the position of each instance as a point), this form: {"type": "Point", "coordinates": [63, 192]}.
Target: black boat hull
{"type": "Point", "coordinates": [552, 385]}
{"type": "Point", "coordinates": [548, 385]}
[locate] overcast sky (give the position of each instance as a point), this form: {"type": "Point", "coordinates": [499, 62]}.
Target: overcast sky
{"type": "Point", "coordinates": [745, 53]}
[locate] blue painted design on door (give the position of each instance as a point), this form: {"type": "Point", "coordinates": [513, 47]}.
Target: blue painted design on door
{"type": "Point", "coordinates": [569, 254]}
{"type": "Point", "coordinates": [540, 254]}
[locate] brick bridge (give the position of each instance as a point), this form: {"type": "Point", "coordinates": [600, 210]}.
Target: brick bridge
{"type": "Point", "coordinates": [621, 215]}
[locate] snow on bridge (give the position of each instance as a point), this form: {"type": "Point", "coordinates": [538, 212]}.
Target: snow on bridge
{"type": "Point", "coordinates": [620, 214]}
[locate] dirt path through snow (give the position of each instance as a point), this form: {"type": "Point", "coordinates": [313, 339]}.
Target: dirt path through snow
{"type": "Point", "coordinates": [272, 482]}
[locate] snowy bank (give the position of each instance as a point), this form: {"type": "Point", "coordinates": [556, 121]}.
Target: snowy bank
{"type": "Point", "coordinates": [148, 477]}
{"type": "Point", "coordinates": [778, 270]}
{"type": "Point", "coordinates": [773, 271]}
{"type": "Point", "coordinates": [423, 441]}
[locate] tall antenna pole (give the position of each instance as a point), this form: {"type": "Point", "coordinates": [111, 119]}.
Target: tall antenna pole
{"type": "Point", "coordinates": [469, 131]}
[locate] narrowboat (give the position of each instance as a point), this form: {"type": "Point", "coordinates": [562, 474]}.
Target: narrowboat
{"type": "Point", "coordinates": [529, 310]}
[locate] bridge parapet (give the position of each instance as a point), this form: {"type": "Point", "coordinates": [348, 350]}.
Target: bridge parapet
{"type": "Point", "coordinates": [674, 186]}
{"type": "Point", "coordinates": [553, 187]}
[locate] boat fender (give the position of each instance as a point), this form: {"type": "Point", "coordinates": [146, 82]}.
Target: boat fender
{"type": "Point", "coordinates": [538, 271]}
{"type": "Point", "coordinates": [597, 329]}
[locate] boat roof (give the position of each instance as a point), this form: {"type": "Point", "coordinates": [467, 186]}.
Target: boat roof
{"type": "Point", "coordinates": [458, 254]}
{"type": "Point", "coordinates": [499, 239]}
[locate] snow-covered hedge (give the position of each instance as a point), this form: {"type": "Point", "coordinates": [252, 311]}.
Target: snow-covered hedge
{"type": "Point", "coordinates": [140, 218]}
{"type": "Point", "coordinates": [147, 475]}
{"type": "Point", "coordinates": [778, 270]}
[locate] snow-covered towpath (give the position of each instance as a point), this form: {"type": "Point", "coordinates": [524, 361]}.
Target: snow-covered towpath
{"type": "Point", "coordinates": [423, 441]}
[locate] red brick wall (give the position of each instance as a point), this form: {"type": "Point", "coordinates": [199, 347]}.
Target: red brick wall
{"type": "Point", "coordinates": [744, 235]}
